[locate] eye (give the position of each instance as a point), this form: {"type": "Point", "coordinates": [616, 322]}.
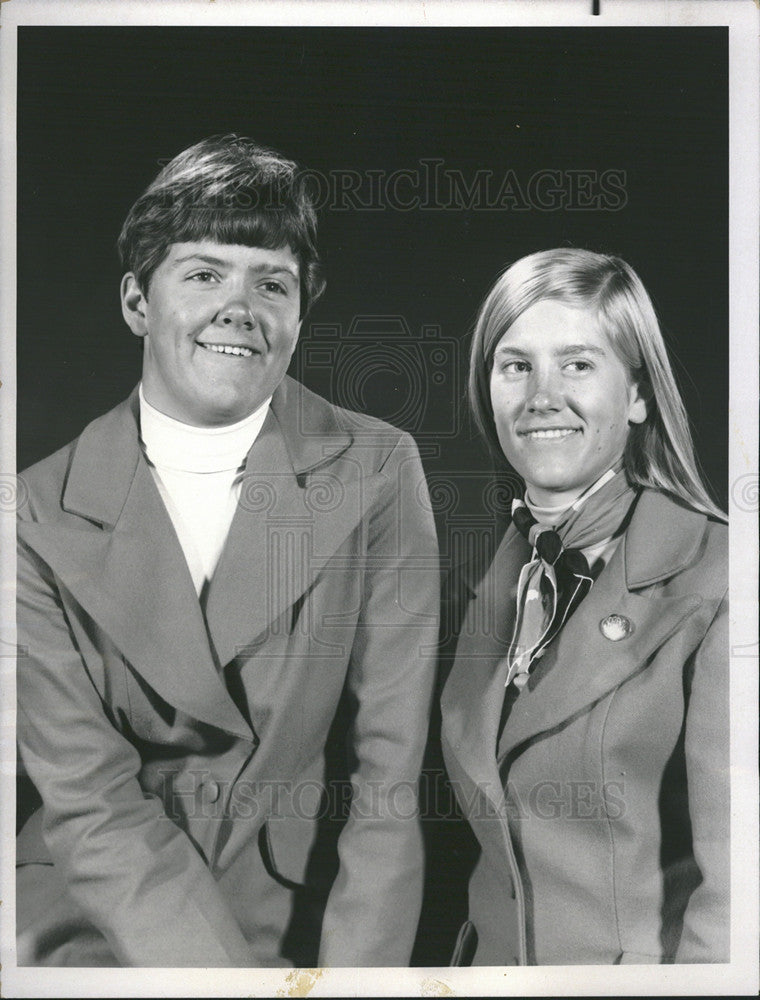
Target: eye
{"type": "Point", "coordinates": [275, 287]}
{"type": "Point", "coordinates": [202, 277]}
{"type": "Point", "coordinates": [514, 367]}
{"type": "Point", "coordinates": [579, 366]}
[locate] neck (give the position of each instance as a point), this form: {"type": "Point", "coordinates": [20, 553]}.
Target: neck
{"type": "Point", "coordinates": [547, 515]}
{"type": "Point", "coordinates": [552, 508]}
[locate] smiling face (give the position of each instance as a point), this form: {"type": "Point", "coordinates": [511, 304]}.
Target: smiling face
{"type": "Point", "coordinates": [220, 323]}
{"type": "Point", "coordinates": [562, 401]}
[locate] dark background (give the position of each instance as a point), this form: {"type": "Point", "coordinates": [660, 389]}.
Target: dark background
{"type": "Point", "coordinates": [100, 110]}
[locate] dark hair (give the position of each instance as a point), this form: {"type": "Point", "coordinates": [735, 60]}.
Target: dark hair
{"type": "Point", "coordinates": [228, 189]}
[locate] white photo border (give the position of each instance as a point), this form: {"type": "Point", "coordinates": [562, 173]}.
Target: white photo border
{"type": "Point", "coordinates": [741, 975]}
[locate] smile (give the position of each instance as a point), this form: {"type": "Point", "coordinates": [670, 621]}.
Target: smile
{"type": "Point", "coordinates": [550, 433]}
{"type": "Point", "coordinates": [241, 352]}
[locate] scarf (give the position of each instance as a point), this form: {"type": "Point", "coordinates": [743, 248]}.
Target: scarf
{"type": "Point", "coordinates": [557, 578]}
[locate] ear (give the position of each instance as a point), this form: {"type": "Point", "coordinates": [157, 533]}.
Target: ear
{"type": "Point", "coordinates": [133, 304]}
{"type": "Point", "coordinates": [639, 395]}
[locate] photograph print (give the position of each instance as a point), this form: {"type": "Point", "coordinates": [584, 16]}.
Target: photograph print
{"type": "Point", "coordinates": [372, 498]}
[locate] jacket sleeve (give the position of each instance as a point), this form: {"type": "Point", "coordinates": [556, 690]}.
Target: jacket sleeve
{"type": "Point", "coordinates": [705, 936]}
{"type": "Point", "coordinates": [374, 905]}
{"type": "Point", "coordinates": [134, 873]}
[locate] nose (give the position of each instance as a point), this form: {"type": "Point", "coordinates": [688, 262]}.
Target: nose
{"type": "Point", "coordinates": [544, 395]}
{"type": "Point", "coordinates": [236, 313]}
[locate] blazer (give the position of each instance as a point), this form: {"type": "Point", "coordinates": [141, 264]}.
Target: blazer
{"type": "Point", "coordinates": [184, 760]}
{"type": "Point", "coordinates": [601, 804]}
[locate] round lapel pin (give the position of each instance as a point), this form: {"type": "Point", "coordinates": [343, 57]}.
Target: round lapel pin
{"type": "Point", "coordinates": [616, 627]}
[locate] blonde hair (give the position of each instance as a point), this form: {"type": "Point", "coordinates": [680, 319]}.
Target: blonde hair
{"type": "Point", "coordinates": [659, 452]}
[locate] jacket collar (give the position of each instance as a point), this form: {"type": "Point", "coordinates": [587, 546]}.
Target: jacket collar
{"type": "Point", "coordinates": [663, 538]}
{"type": "Point", "coordinates": [313, 430]}
{"type": "Point", "coordinates": [103, 466]}
{"type": "Point", "coordinates": [108, 450]}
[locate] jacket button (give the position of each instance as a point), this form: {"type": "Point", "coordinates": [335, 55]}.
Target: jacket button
{"type": "Point", "coordinates": [212, 790]}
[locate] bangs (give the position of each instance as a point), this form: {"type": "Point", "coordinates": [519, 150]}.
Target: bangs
{"type": "Point", "coordinates": [252, 227]}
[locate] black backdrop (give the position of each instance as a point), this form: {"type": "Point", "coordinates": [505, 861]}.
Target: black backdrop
{"type": "Point", "coordinates": [640, 111]}
{"type": "Point", "coordinates": [612, 139]}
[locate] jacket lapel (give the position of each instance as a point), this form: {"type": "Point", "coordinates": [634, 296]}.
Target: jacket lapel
{"type": "Point", "coordinates": [131, 577]}
{"type": "Point", "coordinates": [293, 513]}
{"type": "Point", "coordinates": [474, 692]}
{"type": "Point", "coordinates": [583, 665]}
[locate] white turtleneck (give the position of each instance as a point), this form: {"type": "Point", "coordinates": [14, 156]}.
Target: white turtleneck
{"type": "Point", "coordinates": [196, 471]}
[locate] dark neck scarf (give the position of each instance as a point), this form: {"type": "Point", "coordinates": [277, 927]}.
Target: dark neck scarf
{"type": "Point", "coordinates": [555, 581]}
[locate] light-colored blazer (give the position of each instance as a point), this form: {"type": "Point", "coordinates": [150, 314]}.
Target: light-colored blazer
{"type": "Point", "coordinates": [602, 807]}
{"type": "Point", "coordinates": [181, 760]}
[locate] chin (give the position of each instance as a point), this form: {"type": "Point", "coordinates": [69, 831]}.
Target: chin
{"type": "Point", "coordinates": [554, 488]}
{"type": "Point", "coordinates": [221, 411]}
{"type": "Point", "coordinates": [220, 418]}
{"type": "Point", "coordinates": [552, 483]}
